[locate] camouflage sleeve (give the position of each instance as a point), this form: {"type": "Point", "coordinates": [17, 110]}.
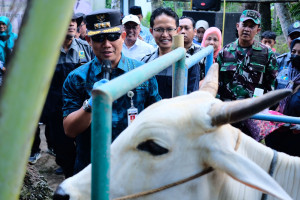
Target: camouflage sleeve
{"type": "Point", "coordinates": [271, 71]}
{"type": "Point", "coordinates": [220, 58]}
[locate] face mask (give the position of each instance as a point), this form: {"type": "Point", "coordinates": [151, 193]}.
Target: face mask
{"type": "Point", "coordinates": [295, 59]}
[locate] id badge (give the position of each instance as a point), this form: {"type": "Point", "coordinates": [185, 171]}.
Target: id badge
{"type": "Point", "coordinates": [131, 115]}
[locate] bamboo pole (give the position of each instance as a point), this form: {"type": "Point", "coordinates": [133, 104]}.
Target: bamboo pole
{"type": "Point", "coordinates": [180, 71]}
{"type": "Point", "coordinates": [26, 86]}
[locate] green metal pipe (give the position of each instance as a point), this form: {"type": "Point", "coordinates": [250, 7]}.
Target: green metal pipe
{"type": "Point", "coordinates": [197, 57]}
{"type": "Point", "coordinates": [26, 85]}
{"type": "Point", "coordinates": [102, 116]}
{"type": "Point", "coordinates": [102, 123]}
{"type": "Point", "coordinates": [121, 85]}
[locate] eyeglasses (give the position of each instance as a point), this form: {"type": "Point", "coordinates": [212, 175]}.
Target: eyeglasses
{"type": "Point", "coordinates": [162, 30]}
{"type": "Point", "coordinates": [110, 37]}
{"type": "Point", "coordinates": [131, 27]}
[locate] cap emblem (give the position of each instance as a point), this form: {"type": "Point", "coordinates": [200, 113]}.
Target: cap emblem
{"type": "Point", "coordinates": [100, 18]}
{"type": "Point", "coordinates": [252, 14]}
{"type": "Point", "coordinates": [296, 25]}
{"type": "Point", "coordinates": [102, 25]}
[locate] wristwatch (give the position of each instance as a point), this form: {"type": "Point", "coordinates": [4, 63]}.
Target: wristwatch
{"type": "Point", "coordinates": [86, 107]}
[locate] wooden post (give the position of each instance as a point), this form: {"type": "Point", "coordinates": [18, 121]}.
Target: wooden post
{"type": "Point", "coordinates": [180, 71]}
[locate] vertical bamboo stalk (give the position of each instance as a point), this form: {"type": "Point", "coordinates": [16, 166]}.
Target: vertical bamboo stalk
{"type": "Point", "coordinates": [26, 86]}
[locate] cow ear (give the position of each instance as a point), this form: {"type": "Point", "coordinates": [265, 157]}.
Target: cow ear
{"type": "Point", "coordinates": [247, 172]}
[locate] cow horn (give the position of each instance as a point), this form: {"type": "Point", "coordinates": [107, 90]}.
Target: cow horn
{"type": "Point", "coordinates": [210, 83]}
{"type": "Point", "coordinates": [234, 111]}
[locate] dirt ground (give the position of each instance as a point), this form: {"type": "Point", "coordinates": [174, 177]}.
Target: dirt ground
{"type": "Point", "coordinates": [46, 164]}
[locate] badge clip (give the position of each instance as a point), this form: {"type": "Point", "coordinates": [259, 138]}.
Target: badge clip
{"type": "Point", "coordinates": [132, 112]}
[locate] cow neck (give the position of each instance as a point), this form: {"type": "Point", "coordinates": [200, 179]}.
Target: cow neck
{"type": "Point", "coordinates": [204, 172]}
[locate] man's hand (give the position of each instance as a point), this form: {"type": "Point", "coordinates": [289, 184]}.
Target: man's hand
{"type": "Point", "coordinates": [97, 84]}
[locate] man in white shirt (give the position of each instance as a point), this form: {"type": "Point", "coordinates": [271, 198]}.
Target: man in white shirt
{"type": "Point", "coordinates": [133, 47]}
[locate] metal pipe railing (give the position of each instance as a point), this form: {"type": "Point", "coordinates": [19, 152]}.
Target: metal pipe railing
{"type": "Point", "coordinates": [197, 57]}
{"type": "Point", "coordinates": [102, 115]}
{"type": "Point", "coordinates": [277, 118]}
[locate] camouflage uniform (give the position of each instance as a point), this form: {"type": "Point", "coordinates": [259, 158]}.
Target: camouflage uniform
{"type": "Point", "coordinates": [244, 69]}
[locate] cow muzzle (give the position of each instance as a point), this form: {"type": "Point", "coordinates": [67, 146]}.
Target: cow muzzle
{"type": "Point", "coordinates": [60, 194]}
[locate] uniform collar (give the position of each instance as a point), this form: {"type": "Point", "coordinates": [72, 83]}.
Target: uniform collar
{"type": "Point", "coordinates": [137, 43]}
{"type": "Point", "coordinates": [73, 45]}
{"type": "Point", "coordinates": [194, 47]}
{"type": "Point", "coordinates": [255, 45]}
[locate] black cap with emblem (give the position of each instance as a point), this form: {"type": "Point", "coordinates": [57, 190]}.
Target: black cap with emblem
{"type": "Point", "coordinates": [103, 21]}
{"type": "Point", "coordinates": [295, 27]}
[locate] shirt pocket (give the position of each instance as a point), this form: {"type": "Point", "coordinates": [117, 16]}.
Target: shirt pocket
{"type": "Point", "coordinates": [255, 73]}
{"type": "Point", "coordinates": [140, 93]}
{"type": "Point", "coordinates": [229, 64]}
{"type": "Point", "coordinates": [227, 72]}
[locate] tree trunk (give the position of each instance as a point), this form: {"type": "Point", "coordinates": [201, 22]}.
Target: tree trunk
{"type": "Point", "coordinates": [284, 17]}
{"type": "Point", "coordinates": [115, 4]}
{"type": "Point", "coordinates": [156, 4]}
{"type": "Point", "coordinates": [264, 10]}
{"type": "Point", "coordinates": [274, 23]}
{"type": "Point", "coordinates": [187, 6]}
{"type": "Point", "coordinates": [250, 6]}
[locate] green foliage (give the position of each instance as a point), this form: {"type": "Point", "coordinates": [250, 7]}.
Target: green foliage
{"type": "Point", "coordinates": [146, 20]}
{"type": "Point", "coordinates": [178, 7]}
{"type": "Point", "coordinates": [232, 7]}
{"type": "Point", "coordinates": [295, 10]}
{"type": "Point", "coordinates": [281, 47]}
{"type": "Point", "coordinates": [108, 4]}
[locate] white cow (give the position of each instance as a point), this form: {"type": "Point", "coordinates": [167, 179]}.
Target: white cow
{"type": "Point", "coordinates": [179, 137]}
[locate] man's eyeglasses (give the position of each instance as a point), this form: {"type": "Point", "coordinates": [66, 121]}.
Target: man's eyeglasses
{"type": "Point", "coordinates": [110, 37]}
{"type": "Point", "coordinates": [130, 27]}
{"type": "Point", "coordinates": [162, 30]}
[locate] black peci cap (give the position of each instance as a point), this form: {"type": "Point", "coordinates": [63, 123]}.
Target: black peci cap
{"type": "Point", "coordinates": [135, 10]}
{"type": "Point", "coordinates": [103, 21]}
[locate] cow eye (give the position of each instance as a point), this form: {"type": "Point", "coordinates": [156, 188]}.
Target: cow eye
{"type": "Point", "coordinates": [152, 147]}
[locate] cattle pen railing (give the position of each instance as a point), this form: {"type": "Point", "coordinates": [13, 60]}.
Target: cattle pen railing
{"type": "Point", "coordinates": [104, 95]}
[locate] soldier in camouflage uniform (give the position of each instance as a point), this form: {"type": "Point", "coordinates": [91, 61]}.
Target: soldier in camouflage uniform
{"type": "Point", "coordinates": [246, 64]}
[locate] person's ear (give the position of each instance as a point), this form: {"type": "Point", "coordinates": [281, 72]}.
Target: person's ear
{"type": "Point", "coordinates": [123, 35]}
{"type": "Point", "coordinates": [151, 30]}
{"type": "Point", "coordinates": [237, 25]}
{"type": "Point", "coordinates": [258, 29]}
{"type": "Point", "coordinates": [178, 29]}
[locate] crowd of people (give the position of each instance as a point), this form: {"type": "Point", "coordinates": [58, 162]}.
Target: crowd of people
{"type": "Point", "coordinates": [101, 46]}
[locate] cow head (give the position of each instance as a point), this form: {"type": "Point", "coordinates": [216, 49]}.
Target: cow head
{"type": "Point", "coordinates": [176, 138]}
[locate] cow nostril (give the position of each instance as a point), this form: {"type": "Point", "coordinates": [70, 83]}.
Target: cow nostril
{"type": "Point", "coordinates": [60, 194]}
